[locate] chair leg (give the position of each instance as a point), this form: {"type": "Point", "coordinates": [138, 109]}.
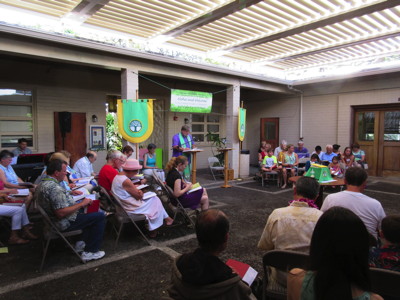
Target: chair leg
{"type": "Point", "coordinates": [141, 232]}
{"type": "Point", "coordinates": [46, 247]}
{"type": "Point", "coordinates": [118, 235]}
{"type": "Point", "coordinates": [213, 174]}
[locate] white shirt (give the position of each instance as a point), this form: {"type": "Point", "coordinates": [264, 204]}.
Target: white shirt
{"type": "Point", "coordinates": [368, 209]}
{"type": "Point", "coordinates": [277, 150]}
{"type": "Point", "coordinates": [83, 167]}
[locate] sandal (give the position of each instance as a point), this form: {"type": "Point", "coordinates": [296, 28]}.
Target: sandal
{"type": "Point", "coordinates": [17, 241]}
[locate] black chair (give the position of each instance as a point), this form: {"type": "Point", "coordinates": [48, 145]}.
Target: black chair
{"type": "Point", "coordinates": [386, 283]}
{"type": "Point", "coordinates": [123, 217]}
{"type": "Point", "coordinates": [188, 214]}
{"type": "Point", "coordinates": [51, 232]}
{"type": "Point", "coordinates": [283, 260]}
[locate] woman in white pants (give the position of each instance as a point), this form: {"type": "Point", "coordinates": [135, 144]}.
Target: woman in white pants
{"type": "Point", "coordinates": [19, 220]}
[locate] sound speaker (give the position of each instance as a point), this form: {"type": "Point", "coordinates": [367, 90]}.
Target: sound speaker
{"type": "Point", "coordinates": [64, 119]}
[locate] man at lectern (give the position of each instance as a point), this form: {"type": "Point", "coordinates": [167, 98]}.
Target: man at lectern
{"type": "Point", "coordinates": [180, 142]}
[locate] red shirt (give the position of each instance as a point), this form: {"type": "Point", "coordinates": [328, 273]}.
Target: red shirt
{"type": "Point", "coordinates": [106, 177]}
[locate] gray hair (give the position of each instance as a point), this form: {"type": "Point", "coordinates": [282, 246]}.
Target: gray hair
{"type": "Point", "coordinates": [283, 142]}
{"type": "Point", "coordinates": [329, 146]}
{"type": "Point", "coordinates": [114, 154]}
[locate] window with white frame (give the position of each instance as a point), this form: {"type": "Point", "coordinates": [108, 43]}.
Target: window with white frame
{"type": "Point", "coordinates": [16, 117]}
{"type": "Point", "coordinates": [203, 124]}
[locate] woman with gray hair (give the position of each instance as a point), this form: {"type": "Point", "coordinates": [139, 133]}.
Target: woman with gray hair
{"type": "Point", "coordinates": [115, 159]}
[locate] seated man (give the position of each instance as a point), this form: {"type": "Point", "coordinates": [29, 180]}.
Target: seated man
{"type": "Point", "coordinates": [328, 154]}
{"type": "Point", "coordinates": [301, 151]}
{"type": "Point", "coordinates": [67, 214]}
{"type": "Point", "coordinates": [201, 272]}
{"type": "Point", "coordinates": [387, 256]}
{"type": "Point", "coordinates": [368, 209]}
{"type": "Point", "coordinates": [22, 147]}
{"type": "Point", "coordinates": [115, 159]}
{"type": "Point", "coordinates": [84, 165]}
{"type": "Point", "coordinates": [291, 228]}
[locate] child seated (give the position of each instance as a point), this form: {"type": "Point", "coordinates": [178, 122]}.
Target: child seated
{"type": "Point", "coordinates": [335, 168]}
{"type": "Point", "coordinates": [313, 160]}
{"type": "Point", "coordinates": [387, 256]}
{"type": "Point", "coordinates": [269, 163]}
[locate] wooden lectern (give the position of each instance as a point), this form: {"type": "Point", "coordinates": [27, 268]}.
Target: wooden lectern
{"type": "Point", "coordinates": [226, 162]}
{"type": "Point", "coordinates": [194, 162]}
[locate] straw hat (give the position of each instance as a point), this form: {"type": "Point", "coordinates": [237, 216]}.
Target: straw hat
{"type": "Point", "coordinates": [131, 164]}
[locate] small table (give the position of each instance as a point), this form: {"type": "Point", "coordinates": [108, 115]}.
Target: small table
{"type": "Point", "coordinates": [194, 162]}
{"type": "Point", "coordinates": [225, 151]}
{"type": "Point", "coordinates": [320, 200]}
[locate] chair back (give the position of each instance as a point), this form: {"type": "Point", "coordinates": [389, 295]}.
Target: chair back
{"type": "Point", "coordinates": [106, 201]}
{"type": "Point", "coordinates": [303, 160]}
{"type": "Point", "coordinates": [385, 282]}
{"type": "Point", "coordinates": [213, 162]}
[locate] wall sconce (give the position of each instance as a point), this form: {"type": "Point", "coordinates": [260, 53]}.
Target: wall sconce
{"type": "Point", "coordinates": [186, 121]}
{"type": "Point", "coordinates": [94, 119]}
{"type": "Point", "coordinates": [175, 118]}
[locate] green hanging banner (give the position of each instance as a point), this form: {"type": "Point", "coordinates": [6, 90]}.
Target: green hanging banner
{"type": "Point", "coordinates": [242, 123]}
{"type": "Point", "coordinates": [135, 119]}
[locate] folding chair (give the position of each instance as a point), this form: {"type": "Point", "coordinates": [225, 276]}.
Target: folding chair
{"type": "Point", "coordinates": [385, 283]}
{"type": "Point", "coordinates": [215, 165]}
{"type": "Point", "coordinates": [51, 232]}
{"type": "Point", "coordinates": [178, 208]}
{"type": "Point", "coordinates": [283, 260]}
{"type": "Point", "coordinates": [123, 217]}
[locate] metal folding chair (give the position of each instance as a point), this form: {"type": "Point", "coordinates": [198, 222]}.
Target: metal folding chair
{"type": "Point", "coordinates": [274, 176]}
{"type": "Point", "coordinates": [123, 217]}
{"type": "Point", "coordinates": [283, 260]}
{"type": "Point", "coordinates": [51, 232]}
{"type": "Point", "coordinates": [177, 208]}
{"type": "Point", "coordinates": [215, 165]}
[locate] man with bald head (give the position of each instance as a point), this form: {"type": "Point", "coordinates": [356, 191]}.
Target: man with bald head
{"type": "Point", "coordinates": [329, 154]}
{"type": "Point", "coordinates": [202, 273]}
{"type": "Point", "coordinates": [84, 166]}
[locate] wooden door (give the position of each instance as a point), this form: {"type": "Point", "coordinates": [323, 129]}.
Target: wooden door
{"type": "Point", "coordinates": [75, 140]}
{"type": "Point", "coordinates": [377, 130]}
{"type": "Point", "coordinates": [269, 131]}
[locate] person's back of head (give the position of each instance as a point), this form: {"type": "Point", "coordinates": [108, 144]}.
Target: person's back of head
{"type": "Point", "coordinates": [212, 228]}
{"type": "Point", "coordinates": [391, 229]}
{"type": "Point", "coordinates": [355, 176]}
{"type": "Point", "coordinates": [339, 254]}
{"type": "Point", "coordinates": [114, 154]}
{"type": "Point", "coordinates": [316, 157]}
{"type": "Point", "coordinates": [307, 187]}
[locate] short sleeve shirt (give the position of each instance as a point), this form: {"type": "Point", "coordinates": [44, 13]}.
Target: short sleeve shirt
{"type": "Point", "coordinates": [51, 197]}
{"type": "Point", "coordinates": [172, 176]}
{"type": "Point", "coordinates": [269, 161]}
{"type": "Point", "coordinates": [106, 177]}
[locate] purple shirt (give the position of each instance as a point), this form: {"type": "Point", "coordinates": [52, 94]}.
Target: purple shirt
{"type": "Point", "coordinates": [301, 153]}
{"type": "Point", "coordinates": [176, 142]}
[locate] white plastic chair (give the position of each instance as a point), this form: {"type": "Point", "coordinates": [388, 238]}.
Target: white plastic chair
{"type": "Point", "coordinates": [215, 165]}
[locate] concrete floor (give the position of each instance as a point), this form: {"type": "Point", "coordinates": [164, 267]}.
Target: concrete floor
{"type": "Point", "coordinates": [135, 270]}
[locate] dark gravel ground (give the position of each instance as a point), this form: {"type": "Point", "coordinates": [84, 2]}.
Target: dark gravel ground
{"type": "Point", "coordinates": [135, 270]}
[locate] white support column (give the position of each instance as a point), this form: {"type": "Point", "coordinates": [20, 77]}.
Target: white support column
{"type": "Point", "coordinates": [129, 86]}
{"type": "Point", "coordinates": [232, 110]}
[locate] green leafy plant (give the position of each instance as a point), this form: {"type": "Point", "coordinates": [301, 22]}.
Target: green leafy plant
{"type": "Point", "coordinates": [216, 142]}
{"type": "Point", "coordinates": [114, 138]}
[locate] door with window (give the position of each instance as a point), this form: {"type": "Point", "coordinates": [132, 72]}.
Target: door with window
{"type": "Point", "coordinates": [269, 131]}
{"type": "Point", "coordinates": [377, 130]}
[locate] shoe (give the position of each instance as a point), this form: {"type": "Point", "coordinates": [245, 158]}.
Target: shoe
{"type": "Point", "coordinates": [283, 186]}
{"type": "Point", "coordinates": [27, 235]}
{"type": "Point", "coordinates": [17, 241]}
{"type": "Point", "coordinates": [86, 256]}
{"type": "Point", "coordinates": [80, 246]}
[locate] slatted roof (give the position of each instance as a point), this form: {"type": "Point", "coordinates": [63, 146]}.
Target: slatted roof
{"type": "Point", "coordinates": [285, 35]}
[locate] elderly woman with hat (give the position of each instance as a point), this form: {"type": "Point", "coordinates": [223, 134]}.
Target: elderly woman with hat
{"type": "Point", "coordinates": [132, 198]}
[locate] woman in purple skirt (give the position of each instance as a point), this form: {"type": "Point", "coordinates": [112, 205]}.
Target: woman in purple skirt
{"type": "Point", "coordinates": [180, 187]}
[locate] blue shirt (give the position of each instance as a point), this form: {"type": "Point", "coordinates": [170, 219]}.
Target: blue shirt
{"type": "Point", "coordinates": [10, 174]}
{"type": "Point", "coordinates": [328, 157]}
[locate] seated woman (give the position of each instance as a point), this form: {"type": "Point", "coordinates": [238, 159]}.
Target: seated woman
{"type": "Point", "coordinates": [19, 220]}
{"type": "Point", "coordinates": [8, 176]}
{"type": "Point", "coordinates": [359, 155]}
{"type": "Point", "coordinates": [132, 198]}
{"type": "Point", "coordinates": [180, 187]}
{"type": "Point", "coordinates": [149, 163]}
{"type": "Point", "coordinates": [127, 151]}
{"type": "Point", "coordinates": [290, 163]}
{"type": "Point", "coordinates": [347, 158]}
{"type": "Point", "coordinates": [338, 260]}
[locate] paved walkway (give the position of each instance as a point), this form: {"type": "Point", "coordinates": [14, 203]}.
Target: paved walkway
{"type": "Point", "coordinates": [135, 270]}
